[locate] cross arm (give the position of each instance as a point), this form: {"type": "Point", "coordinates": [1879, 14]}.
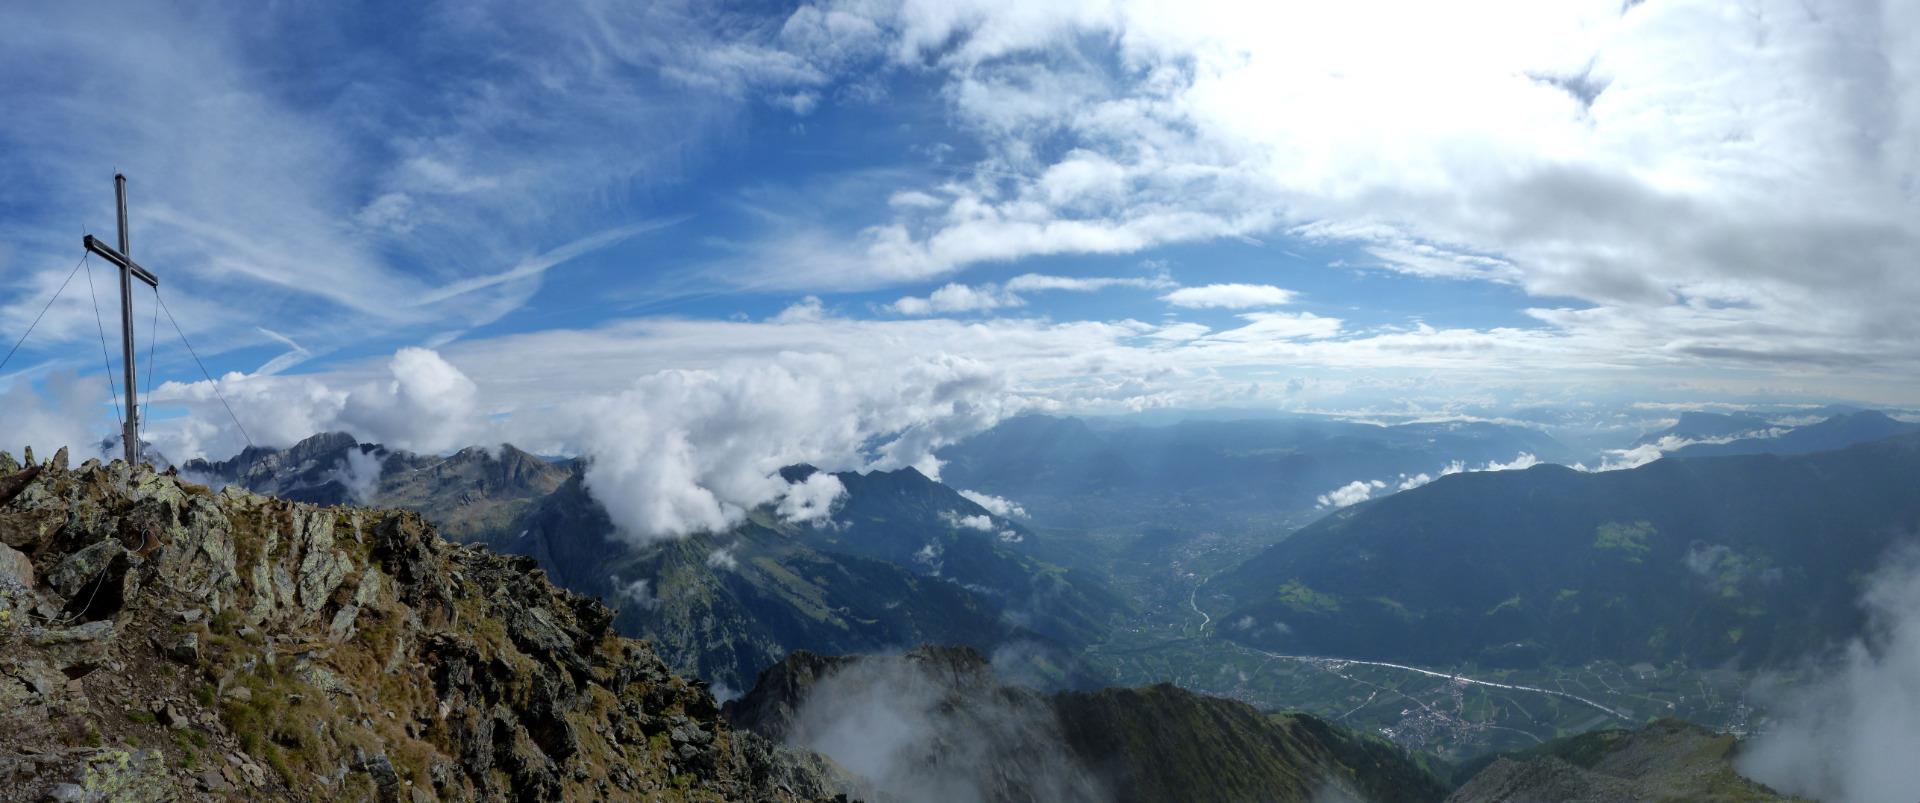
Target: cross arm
{"type": "Point", "coordinates": [117, 258]}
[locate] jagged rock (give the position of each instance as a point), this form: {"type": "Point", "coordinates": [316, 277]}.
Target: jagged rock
{"type": "Point", "coordinates": [14, 482]}
{"type": "Point", "coordinates": [59, 461]}
{"type": "Point", "coordinates": [185, 649]}
{"type": "Point", "coordinates": [90, 632]}
{"type": "Point", "coordinates": [287, 637]}
{"type": "Point", "coordinates": [71, 575]}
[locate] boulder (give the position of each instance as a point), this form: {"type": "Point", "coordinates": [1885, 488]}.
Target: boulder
{"type": "Point", "coordinates": [15, 568]}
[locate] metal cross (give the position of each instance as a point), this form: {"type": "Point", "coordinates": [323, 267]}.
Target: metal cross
{"type": "Point", "coordinates": [129, 270]}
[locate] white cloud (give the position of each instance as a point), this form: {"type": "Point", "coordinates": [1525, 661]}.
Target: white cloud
{"type": "Point", "coordinates": [638, 592]}
{"type": "Point", "coordinates": [66, 410]}
{"type": "Point", "coordinates": [1850, 735]}
{"type": "Point", "coordinates": [428, 406]}
{"type": "Point", "coordinates": [812, 500]}
{"type": "Point", "coordinates": [1352, 493]}
{"type": "Point", "coordinates": [958, 298]}
{"type": "Point", "coordinates": [1549, 149]}
{"type": "Point", "coordinates": [723, 558]}
{"type": "Point", "coordinates": [1027, 282]}
{"type": "Point", "coordinates": [998, 506]}
{"type": "Point", "coordinates": [917, 731]}
{"type": "Point", "coordinates": [1523, 460]}
{"type": "Point", "coordinates": [684, 451]}
{"type": "Point", "coordinates": [1264, 326]}
{"type": "Point", "coordinates": [360, 473]}
{"type": "Point", "coordinates": [973, 522]}
{"type": "Point", "coordinates": [953, 297]}
{"type": "Point", "coordinates": [1637, 456]}
{"type": "Point", "coordinates": [1230, 296]}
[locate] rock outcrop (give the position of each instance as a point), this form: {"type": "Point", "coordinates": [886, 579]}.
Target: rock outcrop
{"type": "Point", "coordinates": [162, 641]}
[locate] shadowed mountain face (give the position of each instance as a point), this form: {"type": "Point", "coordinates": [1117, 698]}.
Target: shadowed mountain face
{"type": "Point", "coordinates": [1751, 559]}
{"type": "Point", "coordinates": [896, 568]}
{"type": "Point", "coordinates": [936, 724]}
{"type": "Point", "coordinates": [1199, 474]}
{"type": "Point", "coordinates": [904, 561]}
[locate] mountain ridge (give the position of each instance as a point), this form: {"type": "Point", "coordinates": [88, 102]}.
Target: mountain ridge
{"type": "Point", "coordinates": [159, 640]}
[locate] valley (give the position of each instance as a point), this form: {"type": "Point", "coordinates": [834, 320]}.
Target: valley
{"type": "Point", "coordinates": [1055, 596]}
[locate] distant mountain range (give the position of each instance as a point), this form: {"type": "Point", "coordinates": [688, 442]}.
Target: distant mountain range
{"type": "Point", "coordinates": [1836, 432]}
{"type": "Point", "coordinates": [905, 561]}
{"type": "Point", "coordinates": [1753, 560]}
{"type": "Point", "coordinates": [1081, 473]}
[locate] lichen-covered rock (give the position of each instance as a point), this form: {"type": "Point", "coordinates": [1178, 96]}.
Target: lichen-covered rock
{"type": "Point", "coordinates": [330, 654]}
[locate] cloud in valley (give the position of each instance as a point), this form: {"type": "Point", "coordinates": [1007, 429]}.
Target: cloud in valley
{"type": "Point", "coordinates": [922, 733]}
{"type": "Point", "coordinates": [1851, 734]}
{"type": "Point", "coordinates": [998, 506]}
{"type": "Point", "coordinates": [1352, 493]}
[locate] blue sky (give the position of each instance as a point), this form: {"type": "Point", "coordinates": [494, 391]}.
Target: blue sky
{"type": "Point", "coordinates": [1089, 206]}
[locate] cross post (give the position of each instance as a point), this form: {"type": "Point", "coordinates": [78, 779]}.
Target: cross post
{"type": "Point", "coordinates": [129, 270]}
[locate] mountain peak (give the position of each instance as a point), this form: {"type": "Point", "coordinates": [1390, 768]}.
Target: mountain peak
{"type": "Point", "coordinates": [302, 652]}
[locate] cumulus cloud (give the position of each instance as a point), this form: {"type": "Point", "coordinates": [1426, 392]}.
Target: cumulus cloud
{"type": "Point", "coordinates": [424, 404]}
{"type": "Point", "coordinates": [685, 451]}
{"type": "Point", "coordinates": [1850, 735]}
{"type": "Point", "coordinates": [1352, 493]}
{"type": "Point", "coordinates": [1230, 296]}
{"type": "Point", "coordinates": [428, 405]}
{"type": "Point", "coordinates": [998, 506]}
{"type": "Point", "coordinates": [723, 558]}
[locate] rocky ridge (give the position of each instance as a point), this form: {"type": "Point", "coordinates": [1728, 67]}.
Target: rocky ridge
{"type": "Point", "coordinates": [1668, 760]}
{"type": "Point", "coordinates": [162, 641]}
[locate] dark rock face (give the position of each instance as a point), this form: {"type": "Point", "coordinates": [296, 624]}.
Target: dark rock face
{"type": "Point", "coordinates": [178, 643]}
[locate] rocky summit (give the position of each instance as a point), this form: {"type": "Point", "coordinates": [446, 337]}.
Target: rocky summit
{"type": "Point", "coordinates": [161, 641]}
